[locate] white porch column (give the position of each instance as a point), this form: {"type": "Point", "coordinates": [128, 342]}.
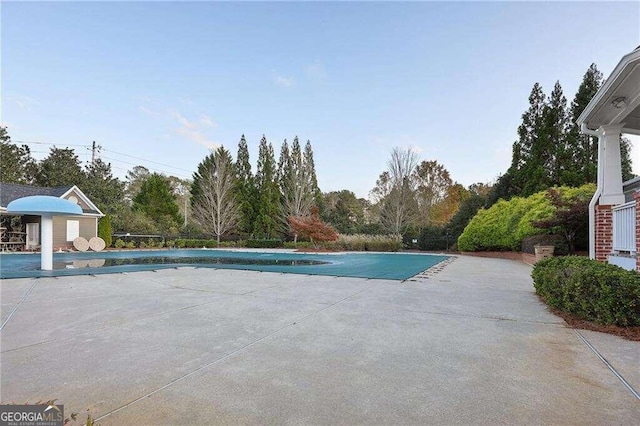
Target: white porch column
{"type": "Point", "coordinates": [611, 166]}
{"type": "Point", "coordinates": [46, 242]}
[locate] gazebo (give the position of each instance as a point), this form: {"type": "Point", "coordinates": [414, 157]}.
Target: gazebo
{"type": "Point", "coordinates": [614, 220]}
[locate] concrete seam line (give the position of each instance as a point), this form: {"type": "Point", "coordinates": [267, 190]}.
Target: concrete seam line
{"type": "Point", "coordinates": [224, 357]}
{"type": "Point", "coordinates": [18, 305]}
{"type": "Point", "coordinates": [609, 366]}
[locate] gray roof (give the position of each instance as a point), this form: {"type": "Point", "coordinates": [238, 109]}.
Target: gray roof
{"type": "Point", "coordinates": [13, 191]}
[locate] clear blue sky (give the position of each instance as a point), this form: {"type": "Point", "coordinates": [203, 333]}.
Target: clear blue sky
{"type": "Point", "coordinates": [166, 81]}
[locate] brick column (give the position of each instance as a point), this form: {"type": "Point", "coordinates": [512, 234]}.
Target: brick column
{"type": "Point", "coordinates": [636, 197]}
{"type": "Point", "coordinates": [604, 232]}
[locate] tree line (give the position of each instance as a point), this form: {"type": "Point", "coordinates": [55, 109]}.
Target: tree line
{"type": "Point", "coordinates": [227, 197]}
{"type": "Point", "coordinates": [418, 199]}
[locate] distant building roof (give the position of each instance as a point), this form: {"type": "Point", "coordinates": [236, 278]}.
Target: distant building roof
{"type": "Point", "coordinates": [13, 191]}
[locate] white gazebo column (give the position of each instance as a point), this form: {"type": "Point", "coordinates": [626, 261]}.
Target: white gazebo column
{"type": "Point", "coordinates": [611, 166]}
{"type": "Point", "coordinates": [46, 242]}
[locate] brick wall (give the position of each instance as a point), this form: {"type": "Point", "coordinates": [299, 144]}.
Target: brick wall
{"type": "Point", "coordinates": [604, 232]}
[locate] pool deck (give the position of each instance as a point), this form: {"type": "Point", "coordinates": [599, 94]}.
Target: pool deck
{"type": "Point", "coordinates": [467, 344]}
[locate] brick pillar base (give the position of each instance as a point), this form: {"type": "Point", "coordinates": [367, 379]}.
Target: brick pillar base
{"type": "Point", "coordinates": [604, 232]}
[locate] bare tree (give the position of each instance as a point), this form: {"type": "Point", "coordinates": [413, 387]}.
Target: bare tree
{"type": "Point", "coordinates": [395, 191]}
{"type": "Point", "coordinates": [213, 200]}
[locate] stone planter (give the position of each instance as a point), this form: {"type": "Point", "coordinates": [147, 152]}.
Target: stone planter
{"type": "Point", "coordinates": [542, 252]}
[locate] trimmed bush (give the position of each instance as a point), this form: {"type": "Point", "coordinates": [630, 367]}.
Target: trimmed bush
{"type": "Point", "coordinates": [195, 243]}
{"type": "Point", "coordinates": [105, 231]}
{"type": "Point", "coordinates": [507, 223]}
{"type": "Point", "coordinates": [266, 243]}
{"type": "Point", "coordinates": [361, 242]}
{"type": "Point", "coordinates": [591, 290]}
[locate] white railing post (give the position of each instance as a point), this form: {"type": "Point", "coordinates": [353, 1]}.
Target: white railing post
{"type": "Point", "coordinates": [624, 227]}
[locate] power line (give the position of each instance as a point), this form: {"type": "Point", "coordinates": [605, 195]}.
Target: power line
{"type": "Point", "coordinates": [148, 161]}
{"type": "Point", "coordinates": [136, 164]}
{"type": "Point", "coordinates": [98, 149]}
{"type": "Point", "coordinates": [49, 143]}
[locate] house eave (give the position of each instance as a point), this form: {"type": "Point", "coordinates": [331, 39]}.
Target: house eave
{"type": "Point", "coordinates": [600, 110]}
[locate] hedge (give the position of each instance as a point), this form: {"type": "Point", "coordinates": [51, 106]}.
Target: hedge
{"type": "Point", "coordinates": [591, 290]}
{"type": "Point", "coordinates": [507, 223]}
{"type": "Point", "coordinates": [264, 243]}
{"type": "Point", "coordinates": [362, 242]}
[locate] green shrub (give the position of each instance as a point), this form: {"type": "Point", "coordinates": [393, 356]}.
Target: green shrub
{"type": "Point", "coordinates": [361, 242]}
{"type": "Point", "coordinates": [195, 243]}
{"type": "Point", "coordinates": [170, 243]}
{"type": "Point", "coordinates": [231, 244]}
{"type": "Point", "coordinates": [130, 245]}
{"type": "Point", "coordinates": [264, 243]}
{"type": "Point", "coordinates": [105, 231]}
{"type": "Point", "coordinates": [594, 291]}
{"type": "Point", "coordinates": [507, 223]}
{"type": "Point", "coordinates": [433, 238]}
{"type": "Point", "coordinates": [120, 243]}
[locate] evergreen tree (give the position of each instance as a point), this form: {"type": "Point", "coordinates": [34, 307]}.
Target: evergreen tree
{"type": "Point", "coordinates": [310, 170]}
{"type": "Point", "coordinates": [156, 201]}
{"type": "Point", "coordinates": [625, 159]}
{"type": "Point", "coordinates": [555, 122]}
{"type": "Point", "coordinates": [17, 165]}
{"type": "Point", "coordinates": [297, 182]}
{"type": "Point", "coordinates": [102, 188]}
{"type": "Point", "coordinates": [285, 170]}
{"type": "Point", "coordinates": [267, 223]}
{"type": "Point", "coordinates": [532, 176]}
{"type": "Point", "coordinates": [61, 168]}
{"type": "Point", "coordinates": [344, 211]}
{"type": "Point", "coordinates": [584, 147]}
{"type": "Point", "coordinates": [245, 189]}
{"type": "Point", "coordinates": [105, 231]}
{"type": "Point", "coordinates": [135, 178]}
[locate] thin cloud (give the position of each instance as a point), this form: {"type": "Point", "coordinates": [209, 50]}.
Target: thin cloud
{"type": "Point", "coordinates": [23, 102]}
{"type": "Point", "coordinates": [317, 71]}
{"type": "Point", "coordinates": [283, 81]}
{"type": "Point", "coordinates": [195, 130]}
{"type": "Point", "coordinates": [207, 121]}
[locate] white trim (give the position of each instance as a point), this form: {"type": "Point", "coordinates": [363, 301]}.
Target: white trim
{"type": "Point", "coordinates": [623, 206]}
{"type": "Point", "coordinates": [608, 88]}
{"type": "Point", "coordinates": [86, 200]}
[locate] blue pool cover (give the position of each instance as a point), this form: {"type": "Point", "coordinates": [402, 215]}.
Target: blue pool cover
{"type": "Point", "coordinates": [392, 266]}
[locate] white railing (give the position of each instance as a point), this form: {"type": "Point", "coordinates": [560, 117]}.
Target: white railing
{"type": "Point", "coordinates": [624, 227]}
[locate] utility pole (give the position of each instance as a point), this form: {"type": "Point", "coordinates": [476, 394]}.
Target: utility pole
{"type": "Point", "coordinates": [94, 149]}
{"type": "Point", "coordinates": [185, 211]}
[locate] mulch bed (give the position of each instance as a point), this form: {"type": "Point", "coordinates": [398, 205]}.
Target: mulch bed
{"type": "Point", "coordinates": [629, 333]}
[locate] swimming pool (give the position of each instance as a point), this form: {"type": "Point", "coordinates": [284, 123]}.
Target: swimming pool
{"type": "Point", "coordinates": [394, 266]}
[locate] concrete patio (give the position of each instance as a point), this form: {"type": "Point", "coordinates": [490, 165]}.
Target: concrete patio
{"type": "Point", "coordinates": [469, 344]}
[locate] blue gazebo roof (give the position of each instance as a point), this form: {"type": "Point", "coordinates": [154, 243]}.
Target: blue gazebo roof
{"type": "Point", "coordinates": [43, 204]}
